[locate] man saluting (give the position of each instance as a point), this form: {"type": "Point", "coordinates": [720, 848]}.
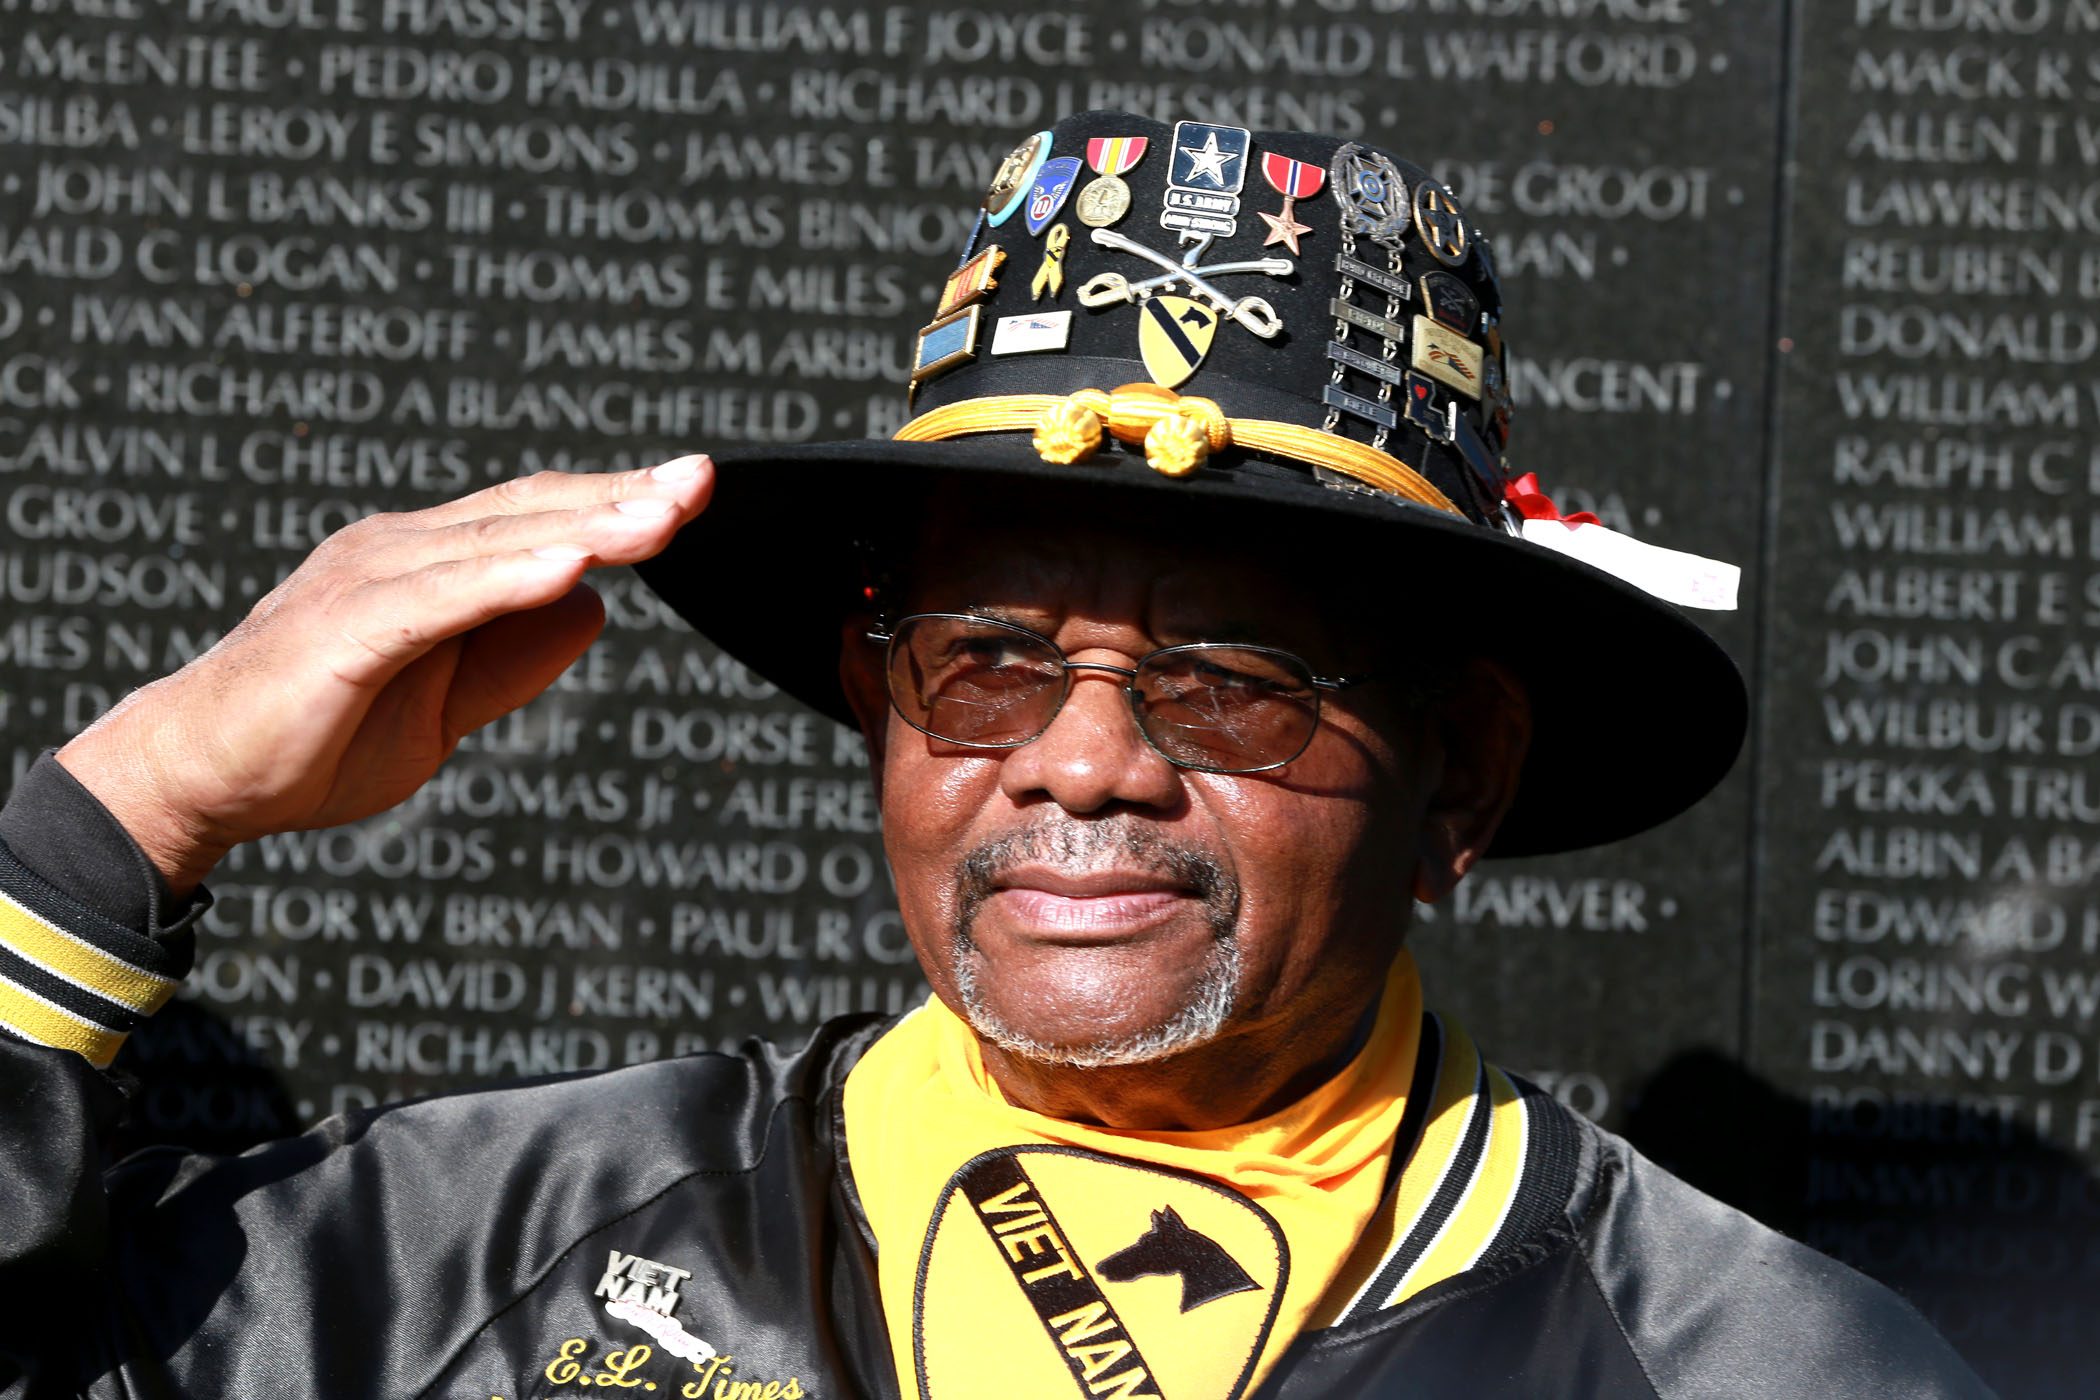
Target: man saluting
{"type": "Point", "coordinates": [1196, 629]}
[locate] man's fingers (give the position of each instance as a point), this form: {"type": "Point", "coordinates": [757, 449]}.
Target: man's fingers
{"type": "Point", "coordinates": [686, 480]}
{"type": "Point", "coordinates": [616, 532]}
{"type": "Point", "coordinates": [615, 519]}
{"type": "Point", "coordinates": [506, 662]}
{"type": "Point", "coordinates": [381, 626]}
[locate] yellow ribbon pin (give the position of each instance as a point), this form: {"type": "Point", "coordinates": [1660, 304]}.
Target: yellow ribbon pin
{"type": "Point", "coordinates": [1051, 275]}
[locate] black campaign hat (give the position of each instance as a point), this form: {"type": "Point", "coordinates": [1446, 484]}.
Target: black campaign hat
{"type": "Point", "coordinates": [1306, 325]}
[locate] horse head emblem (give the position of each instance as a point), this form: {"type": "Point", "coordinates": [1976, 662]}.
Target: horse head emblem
{"type": "Point", "coordinates": [1207, 1272]}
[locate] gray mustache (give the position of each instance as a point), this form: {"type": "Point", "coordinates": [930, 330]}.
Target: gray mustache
{"type": "Point", "coordinates": [1076, 847]}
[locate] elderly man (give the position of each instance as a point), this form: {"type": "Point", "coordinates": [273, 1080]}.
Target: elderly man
{"type": "Point", "coordinates": [1176, 702]}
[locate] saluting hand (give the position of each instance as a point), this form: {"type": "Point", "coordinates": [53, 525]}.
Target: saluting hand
{"type": "Point", "coordinates": [349, 683]}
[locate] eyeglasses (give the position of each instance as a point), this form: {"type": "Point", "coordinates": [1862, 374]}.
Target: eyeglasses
{"type": "Point", "coordinates": [1217, 708]}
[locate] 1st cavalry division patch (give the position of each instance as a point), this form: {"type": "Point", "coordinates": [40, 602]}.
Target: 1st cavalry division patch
{"type": "Point", "coordinates": [1053, 1271]}
{"type": "Point", "coordinates": [1174, 336]}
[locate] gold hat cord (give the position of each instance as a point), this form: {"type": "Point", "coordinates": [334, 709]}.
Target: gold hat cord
{"type": "Point", "coordinates": [1179, 432]}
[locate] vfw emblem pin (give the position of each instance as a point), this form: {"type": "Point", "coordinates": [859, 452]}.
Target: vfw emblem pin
{"type": "Point", "coordinates": [1052, 1271]}
{"type": "Point", "coordinates": [1174, 334]}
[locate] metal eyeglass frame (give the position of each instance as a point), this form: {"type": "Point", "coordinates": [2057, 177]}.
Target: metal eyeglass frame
{"type": "Point", "coordinates": [886, 633]}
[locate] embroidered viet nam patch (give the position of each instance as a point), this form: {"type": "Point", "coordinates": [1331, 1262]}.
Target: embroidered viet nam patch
{"type": "Point", "coordinates": [1061, 1274]}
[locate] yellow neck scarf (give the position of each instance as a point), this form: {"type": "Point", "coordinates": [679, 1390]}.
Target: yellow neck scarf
{"type": "Point", "coordinates": [1025, 1255]}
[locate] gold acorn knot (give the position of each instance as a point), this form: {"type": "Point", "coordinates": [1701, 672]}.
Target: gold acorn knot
{"type": "Point", "coordinates": [1068, 431]}
{"type": "Point", "coordinates": [1178, 433]}
{"type": "Point", "coordinates": [1176, 446]}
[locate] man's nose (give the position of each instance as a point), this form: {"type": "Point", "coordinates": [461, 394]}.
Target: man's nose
{"type": "Point", "coordinates": [1093, 754]}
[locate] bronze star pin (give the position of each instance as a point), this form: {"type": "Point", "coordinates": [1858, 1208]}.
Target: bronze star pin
{"type": "Point", "coordinates": [1283, 228]}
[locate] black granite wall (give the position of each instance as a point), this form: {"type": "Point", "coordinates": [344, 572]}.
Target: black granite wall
{"type": "Point", "coordinates": [1809, 287]}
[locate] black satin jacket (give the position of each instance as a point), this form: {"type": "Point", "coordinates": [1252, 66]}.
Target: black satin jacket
{"type": "Point", "coordinates": [468, 1246]}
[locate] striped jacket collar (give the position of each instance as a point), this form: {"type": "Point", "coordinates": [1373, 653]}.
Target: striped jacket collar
{"type": "Point", "coordinates": [1484, 1162]}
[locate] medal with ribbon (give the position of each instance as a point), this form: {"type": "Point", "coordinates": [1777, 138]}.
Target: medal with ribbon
{"type": "Point", "coordinates": [1110, 156]}
{"type": "Point", "coordinates": [1107, 199]}
{"type": "Point", "coordinates": [1294, 180]}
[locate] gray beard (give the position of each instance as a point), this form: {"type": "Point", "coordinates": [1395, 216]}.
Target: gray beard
{"type": "Point", "coordinates": [1078, 846]}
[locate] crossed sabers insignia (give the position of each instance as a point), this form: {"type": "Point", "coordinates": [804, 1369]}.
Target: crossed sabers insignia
{"type": "Point", "coordinates": [1252, 312]}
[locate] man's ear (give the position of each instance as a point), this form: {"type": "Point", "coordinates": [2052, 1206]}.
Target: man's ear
{"type": "Point", "coordinates": [1481, 730]}
{"type": "Point", "coordinates": [867, 689]}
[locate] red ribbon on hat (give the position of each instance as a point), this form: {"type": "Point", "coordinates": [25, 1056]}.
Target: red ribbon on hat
{"type": "Point", "coordinates": [1534, 504]}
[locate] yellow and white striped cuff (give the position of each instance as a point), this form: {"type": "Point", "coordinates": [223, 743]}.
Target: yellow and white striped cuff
{"type": "Point", "coordinates": [63, 989]}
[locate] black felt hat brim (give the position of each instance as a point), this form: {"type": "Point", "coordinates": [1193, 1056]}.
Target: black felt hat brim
{"type": "Point", "coordinates": [1637, 712]}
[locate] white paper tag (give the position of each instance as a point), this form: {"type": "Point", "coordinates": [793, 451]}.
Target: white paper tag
{"type": "Point", "coordinates": [1039, 330]}
{"type": "Point", "coordinates": [1675, 577]}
